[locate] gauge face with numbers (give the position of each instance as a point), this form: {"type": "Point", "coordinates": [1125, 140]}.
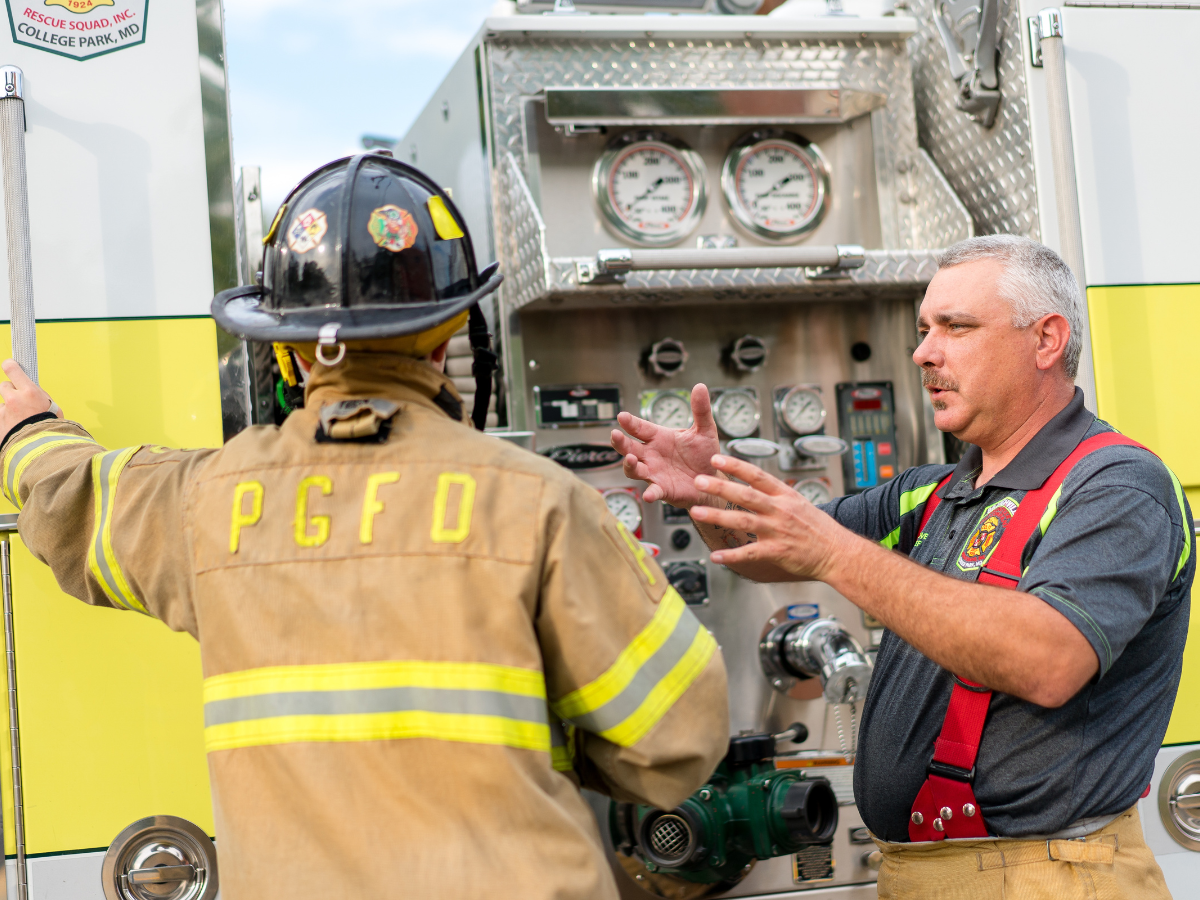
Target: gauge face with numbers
{"type": "Point", "coordinates": [802, 410]}
{"type": "Point", "coordinates": [625, 507]}
{"type": "Point", "coordinates": [813, 490]}
{"type": "Point", "coordinates": [670, 410]}
{"type": "Point", "coordinates": [776, 185]}
{"type": "Point", "coordinates": [736, 412]}
{"type": "Point", "coordinates": [650, 188]}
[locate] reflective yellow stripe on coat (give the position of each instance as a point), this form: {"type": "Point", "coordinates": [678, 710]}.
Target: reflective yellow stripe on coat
{"type": "Point", "coordinates": [106, 471]}
{"type": "Point", "coordinates": [23, 452]}
{"type": "Point", "coordinates": [475, 703]}
{"type": "Point", "coordinates": [624, 703]}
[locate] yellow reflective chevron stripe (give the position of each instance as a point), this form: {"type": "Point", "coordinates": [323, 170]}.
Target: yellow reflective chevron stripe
{"type": "Point", "coordinates": [561, 756]}
{"type": "Point", "coordinates": [648, 676]}
{"type": "Point", "coordinates": [909, 501]}
{"type": "Point", "coordinates": [106, 471]}
{"type": "Point", "coordinates": [23, 452]}
{"type": "Point", "coordinates": [477, 703]}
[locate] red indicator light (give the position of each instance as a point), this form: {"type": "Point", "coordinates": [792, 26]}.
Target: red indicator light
{"type": "Point", "coordinates": [868, 404]}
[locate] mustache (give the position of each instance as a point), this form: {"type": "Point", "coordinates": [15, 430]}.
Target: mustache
{"type": "Point", "coordinates": [930, 379]}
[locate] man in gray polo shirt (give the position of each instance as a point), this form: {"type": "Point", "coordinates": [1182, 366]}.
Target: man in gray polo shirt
{"type": "Point", "coordinates": [1083, 658]}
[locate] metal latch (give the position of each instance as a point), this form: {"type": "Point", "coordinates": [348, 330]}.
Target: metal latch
{"type": "Point", "coordinates": [968, 29]}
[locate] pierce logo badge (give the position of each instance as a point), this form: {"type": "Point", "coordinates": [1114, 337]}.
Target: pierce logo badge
{"type": "Point", "coordinates": [392, 228]}
{"type": "Point", "coordinates": [983, 540]}
{"type": "Point", "coordinates": [583, 456]}
{"type": "Point", "coordinates": [306, 230]}
{"type": "Point", "coordinates": [79, 29]}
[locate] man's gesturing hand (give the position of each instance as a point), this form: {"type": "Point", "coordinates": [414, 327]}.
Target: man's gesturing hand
{"type": "Point", "coordinates": [670, 458]}
{"type": "Point", "coordinates": [22, 398]}
{"type": "Point", "coordinates": [793, 535]}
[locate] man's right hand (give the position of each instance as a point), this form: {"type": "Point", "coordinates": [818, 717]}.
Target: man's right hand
{"type": "Point", "coordinates": [669, 459]}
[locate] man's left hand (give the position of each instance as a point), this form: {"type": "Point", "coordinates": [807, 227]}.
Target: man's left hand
{"type": "Point", "coordinates": [792, 533]}
{"type": "Point", "coordinates": [22, 398]}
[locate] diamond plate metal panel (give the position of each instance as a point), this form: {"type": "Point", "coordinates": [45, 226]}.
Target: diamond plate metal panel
{"type": "Point", "coordinates": [520, 237]}
{"type": "Point", "coordinates": [520, 69]}
{"type": "Point", "coordinates": [991, 169]}
{"type": "Point", "coordinates": [886, 273]}
{"type": "Point", "coordinates": [939, 217]}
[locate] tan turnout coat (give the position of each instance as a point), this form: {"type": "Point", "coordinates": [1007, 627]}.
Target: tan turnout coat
{"type": "Point", "coordinates": [414, 651]}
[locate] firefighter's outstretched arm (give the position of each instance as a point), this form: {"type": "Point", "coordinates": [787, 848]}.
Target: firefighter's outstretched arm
{"type": "Point", "coordinates": [109, 523]}
{"type": "Point", "coordinates": [639, 681]}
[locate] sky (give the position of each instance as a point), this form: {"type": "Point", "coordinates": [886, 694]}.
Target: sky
{"type": "Point", "coordinates": [307, 78]}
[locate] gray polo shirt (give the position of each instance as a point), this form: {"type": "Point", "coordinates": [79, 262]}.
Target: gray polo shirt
{"type": "Point", "coordinates": [1117, 560]}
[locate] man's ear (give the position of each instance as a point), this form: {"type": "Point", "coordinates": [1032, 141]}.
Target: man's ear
{"type": "Point", "coordinates": [437, 358]}
{"type": "Point", "coordinates": [1052, 331]}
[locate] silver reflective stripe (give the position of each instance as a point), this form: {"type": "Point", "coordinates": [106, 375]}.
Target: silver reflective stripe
{"type": "Point", "coordinates": [654, 670]}
{"type": "Point", "coordinates": [14, 461]}
{"type": "Point", "coordinates": [106, 469]}
{"type": "Point", "coordinates": [376, 700]}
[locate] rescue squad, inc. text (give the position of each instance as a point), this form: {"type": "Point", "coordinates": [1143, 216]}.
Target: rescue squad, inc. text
{"type": "Point", "coordinates": [52, 34]}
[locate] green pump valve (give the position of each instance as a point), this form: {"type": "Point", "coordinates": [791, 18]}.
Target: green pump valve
{"type": "Point", "coordinates": [747, 811]}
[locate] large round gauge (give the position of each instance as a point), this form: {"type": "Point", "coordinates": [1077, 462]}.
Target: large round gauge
{"type": "Point", "coordinates": [814, 490]}
{"type": "Point", "coordinates": [776, 185]}
{"type": "Point", "coordinates": [736, 412]}
{"type": "Point", "coordinates": [802, 410]}
{"type": "Point", "coordinates": [650, 188]}
{"type": "Point", "coordinates": [670, 409]}
{"type": "Point", "coordinates": [625, 507]}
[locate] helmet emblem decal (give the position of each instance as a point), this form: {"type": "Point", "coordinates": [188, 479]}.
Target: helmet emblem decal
{"type": "Point", "coordinates": [306, 230]}
{"type": "Point", "coordinates": [392, 228]}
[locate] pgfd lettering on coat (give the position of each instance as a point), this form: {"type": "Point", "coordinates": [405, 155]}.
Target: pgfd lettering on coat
{"type": "Point", "coordinates": [453, 499]}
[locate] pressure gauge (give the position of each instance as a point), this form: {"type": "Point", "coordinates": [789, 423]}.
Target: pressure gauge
{"type": "Point", "coordinates": [776, 185]}
{"type": "Point", "coordinates": [736, 412]}
{"type": "Point", "coordinates": [650, 188]}
{"type": "Point", "coordinates": [814, 490]}
{"type": "Point", "coordinates": [670, 409]}
{"type": "Point", "coordinates": [802, 410]}
{"type": "Point", "coordinates": [623, 504]}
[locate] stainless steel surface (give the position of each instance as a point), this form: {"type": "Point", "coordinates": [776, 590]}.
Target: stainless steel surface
{"type": "Point", "coordinates": [16, 221]}
{"type": "Point", "coordinates": [1179, 800]}
{"type": "Point", "coordinates": [1066, 188]}
{"type": "Point", "coordinates": [160, 858]}
{"type": "Point", "coordinates": [218, 151]}
{"type": "Point", "coordinates": [654, 105]}
{"type": "Point", "coordinates": [990, 169]}
{"type": "Point", "coordinates": [748, 258]}
{"type": "Point", "coordinates": [248, 214]}
{"type": "Point", "coordinates": [14, 730]}
{"type": "Point", "coordinates": [819, 649]}
{"type": "Point", "coordinates": [968, 32]}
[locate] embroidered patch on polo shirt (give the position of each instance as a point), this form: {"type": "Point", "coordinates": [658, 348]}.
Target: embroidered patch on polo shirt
{"type": "Point", "coordinates": [986, 536]}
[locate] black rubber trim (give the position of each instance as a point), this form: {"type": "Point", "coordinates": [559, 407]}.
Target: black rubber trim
{"type": "Point", "coordinates": [954, 773]}
{"type": "Point", "coordinates": [40, 417]}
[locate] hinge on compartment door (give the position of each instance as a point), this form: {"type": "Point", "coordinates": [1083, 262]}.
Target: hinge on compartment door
{"type": "Point", "coordinates": [969, 31]}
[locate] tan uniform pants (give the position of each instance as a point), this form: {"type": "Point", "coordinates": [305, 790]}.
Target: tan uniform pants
{"type": "Point", "coordinates": [1111, 864]}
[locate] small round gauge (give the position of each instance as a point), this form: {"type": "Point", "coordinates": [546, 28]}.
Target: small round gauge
{"type": "Point", "coordinates": [625, 507]}
{"type": "Point", "coordinates": [776, 184]}
{"type": "Point", "coordinates": [802, 410]}
{"type": "Point", "coordinates": [670, 410]}
{"type": "Point", "coordinates": [650, 188]}
{"type": "Point", "coordinates": [814, 490]}
{"type": "Point", "coordinates": [736, 412]}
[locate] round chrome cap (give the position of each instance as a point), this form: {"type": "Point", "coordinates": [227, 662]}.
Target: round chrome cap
{"type": "Point", "coordinates": [1179, 800]}
{"type": "Point", "coordinates": [160, 858]}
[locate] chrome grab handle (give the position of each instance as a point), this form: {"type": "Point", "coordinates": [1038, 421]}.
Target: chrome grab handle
{"type": "Point", "coordinates": [842, 256]}
{"type": "Point", "coordinates": [162, 874]}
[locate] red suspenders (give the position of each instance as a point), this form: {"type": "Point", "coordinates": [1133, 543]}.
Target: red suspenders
{"type": "Point", "coordinates": [946, 806]}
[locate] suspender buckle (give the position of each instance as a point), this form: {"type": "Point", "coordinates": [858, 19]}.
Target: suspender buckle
{"type": "Point", "coordinates": [954, 773]}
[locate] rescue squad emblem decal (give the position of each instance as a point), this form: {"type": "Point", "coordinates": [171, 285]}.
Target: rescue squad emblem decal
{"type": "Point", "coordinates": [78, 29]}
{"type": "Point", "coordinates": [306, 230]}
{"type": "Point", "coordinates": [392, 228]}
{"type": "Point", "coordinates": [986, 536]}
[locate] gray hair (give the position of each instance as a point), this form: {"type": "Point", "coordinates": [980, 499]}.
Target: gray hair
{"type": "Point", "coordinates": [1035, 282]}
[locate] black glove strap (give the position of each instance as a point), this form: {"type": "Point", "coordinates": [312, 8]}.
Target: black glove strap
{"type": "Point", "coordinates": [483, 365]}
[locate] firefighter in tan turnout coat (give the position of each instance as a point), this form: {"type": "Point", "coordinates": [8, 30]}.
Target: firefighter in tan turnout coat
{"type": "Point", "coordinates": [418, 640]}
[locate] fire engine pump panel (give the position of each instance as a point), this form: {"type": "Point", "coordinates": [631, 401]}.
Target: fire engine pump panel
{"type": "Point", "coordinates": [756, 203]}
